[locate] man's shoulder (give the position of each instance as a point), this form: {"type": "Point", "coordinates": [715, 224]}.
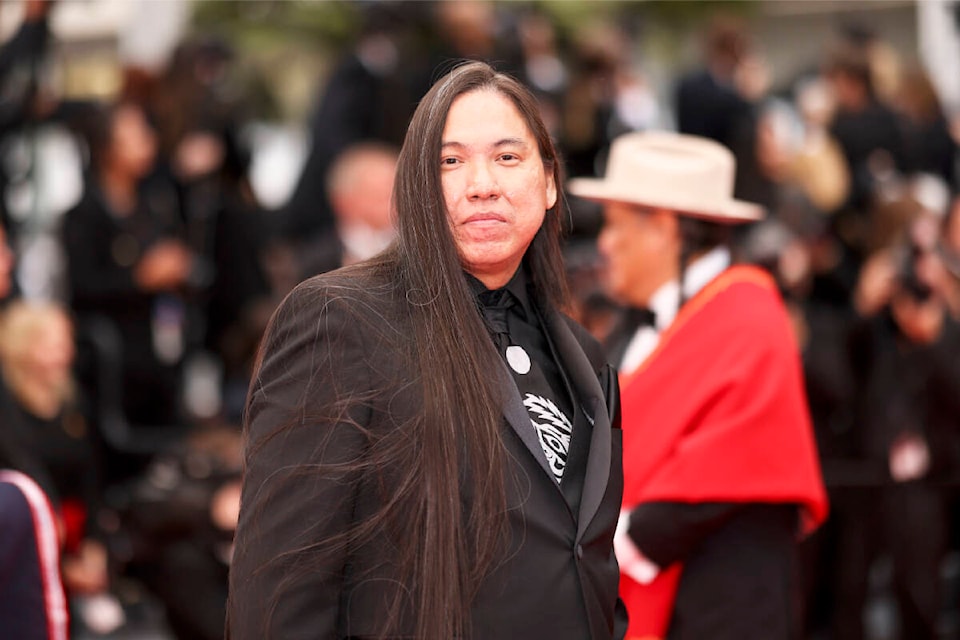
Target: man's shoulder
{"type": "Point", "coordinates": [363, 284]}
{"type": "Point", "coordinates": [752, 292]}
{"type": "Point", "coordinates": [361, 300]}
{"type": "Point", "coordinates": [16, 515]}
{"type": "Point", "coordinates": [741, 305]}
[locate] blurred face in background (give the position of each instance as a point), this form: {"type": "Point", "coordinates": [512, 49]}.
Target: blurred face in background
{"type": "Point", "coordinates": [639, 250]}
{"type": "Point", "coordinates": [361, 187]}
{"type": "Point", "coordinates": [133, 143]}
{"type": "Point", "coordinates": [37, 350]}
{"type": "Point", "coordinates": [51, 354]}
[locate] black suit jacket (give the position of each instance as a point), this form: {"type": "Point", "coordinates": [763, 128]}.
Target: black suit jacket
{"type": "Point", "coordinates": [337, 332]}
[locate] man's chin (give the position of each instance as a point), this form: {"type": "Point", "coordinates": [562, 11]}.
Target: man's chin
{"type": "Point", "coordinates": [615, 291]}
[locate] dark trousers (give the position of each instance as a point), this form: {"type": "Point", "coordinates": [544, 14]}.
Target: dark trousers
{"type": "Point", "coordinates": [909, 524]}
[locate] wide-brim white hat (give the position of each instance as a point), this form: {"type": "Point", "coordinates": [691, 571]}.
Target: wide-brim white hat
{"type": "Point", "coordinates": [688, 175]}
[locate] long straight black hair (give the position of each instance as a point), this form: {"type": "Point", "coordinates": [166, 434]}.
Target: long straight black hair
{"type": "Point", "coordinates": [452, 547]}
{"type": "Point", "coordinates": [440, 469]}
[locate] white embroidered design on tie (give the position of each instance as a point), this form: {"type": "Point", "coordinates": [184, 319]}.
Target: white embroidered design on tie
{"type": "Point", "coordinates": [553, 430]}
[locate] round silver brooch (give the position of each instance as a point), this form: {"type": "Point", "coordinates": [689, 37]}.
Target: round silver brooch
{"type": "Point", "coordinates": [518, 360]}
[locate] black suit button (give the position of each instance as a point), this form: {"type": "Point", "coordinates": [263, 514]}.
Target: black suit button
{"type": "Point", "coordinates": [579, 552]}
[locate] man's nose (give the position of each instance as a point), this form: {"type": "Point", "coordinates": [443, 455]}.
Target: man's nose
{"type": "Point", "coordinates": [604, 239]}
{"type": "Point", "coordinates": [483, 182]}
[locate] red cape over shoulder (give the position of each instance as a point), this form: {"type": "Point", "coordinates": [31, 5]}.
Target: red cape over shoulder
{"type": "Point", "coordinates": [718, 413]}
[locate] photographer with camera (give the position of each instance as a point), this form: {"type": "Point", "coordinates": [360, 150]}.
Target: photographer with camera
{"type": "Point", "coordinates": [904, 351]}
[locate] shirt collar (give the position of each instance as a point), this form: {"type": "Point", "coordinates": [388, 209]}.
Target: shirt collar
{"type": "Point", "coordinates": [516, 286]}
{"type": "Point", "coordinates": [665, 301]}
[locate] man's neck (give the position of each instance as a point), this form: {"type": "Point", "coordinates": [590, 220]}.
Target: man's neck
{"type": "Point", "coordinates": [119, 191]}
{"type": "Point", "coordinates": [703, 267]}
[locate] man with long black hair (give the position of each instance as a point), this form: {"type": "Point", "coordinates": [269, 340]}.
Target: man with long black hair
{"type": "Point", "coordinates": [433, 449]}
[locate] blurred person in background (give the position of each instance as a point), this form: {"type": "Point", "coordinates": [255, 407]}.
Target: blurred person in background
{"type": "Point", "coordinates": [44, 414]}
{"type": "Point", "coordinates": [446, 357]}
{"type": "Point", "coordinates": [822, 331]}
{"type": "Point", "coordinates": [127, 262]}
{"type": "Point", "coordinates": [360, 187]}
{"type": "Point", "coordinates": [817, 165]}
{"type": "Point", "coordinates": [20, 99]}
{"type": "Point", "coordinates": [369, 96]}
{"type": "Point", "coordinates": [544, 69]}
{"type": "Point", "coordinates": [605, 96]}
{"type": "Point", "coordinates": [32, 603]}
{"type": "Point", "coordinates": [720, 101]}
{"type": "Point", "coordinates": [930, 147]}
{"type": "Point", "coordinates": [883, 59]}
{"type": "Point", "coordinates": [13, 455]}
{"type": "Point", "coordinates": [904, 358]}
{"type": "Point", "coordinates": [178, 522]}
{"type": "Point", "coordinates": [917, 221]}
{"type": "Point", "coordinates": [470, 30]}
{"type": "Point", "coordinates": [814, 182]}
{"type": "Point", "coordinates": [233, 299]}
{"type": "Point", "coordinates": [204, 160]}
{"type": "Point", "coordinates": [871, 137]}
{"type": "Point", "coordinates": [721, 474]}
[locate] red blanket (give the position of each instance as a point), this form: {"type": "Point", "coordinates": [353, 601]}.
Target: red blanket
{"type": "Point", "coordinates": [718, 413]}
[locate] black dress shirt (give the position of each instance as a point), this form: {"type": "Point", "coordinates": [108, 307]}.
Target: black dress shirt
{"type": "Point", "coordinates": [513, 321]}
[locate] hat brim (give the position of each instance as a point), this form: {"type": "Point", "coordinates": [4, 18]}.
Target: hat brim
{"type": "Point", "coordinates": [726, 212]}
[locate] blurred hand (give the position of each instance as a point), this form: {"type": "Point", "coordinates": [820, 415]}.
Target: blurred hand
{"type": "Point", "coordinates": [919, 320]}
{"type": "Point", "coordinates": [198, 154]}
{"type": "Point", "coordinates": [932, 270]}
{"type": "Point", "coordinates": [86, 570]}
{"type": "Point", "coordinates": [876, 284]}
{"type": "Point", "coordinates": [225, 506]}
{"type": "Point", "coordinates": [631, 560]}
{"type": "Point", "coordinates": [909, 457]}
{"type": "Point", "coordinates": [164, 266]}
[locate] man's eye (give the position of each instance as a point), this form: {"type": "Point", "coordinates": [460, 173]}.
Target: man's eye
{"type": "Point", "coordinates": [509, 157]}
{"type": "Point", "coordinates": [448, 161]}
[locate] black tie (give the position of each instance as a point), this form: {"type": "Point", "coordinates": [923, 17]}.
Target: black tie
{"type": "Point", "coordinates": [631, 322]}
{"type": "Point", "coordinates": [495, 305]}
{"type": "Point", "coordinates": [641, 317]}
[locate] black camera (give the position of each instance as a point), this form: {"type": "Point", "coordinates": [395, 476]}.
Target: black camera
{"type": "Point", "coordinates": [909, 280]}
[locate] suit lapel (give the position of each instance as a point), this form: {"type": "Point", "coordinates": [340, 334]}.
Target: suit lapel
{"type": "Point", "coordinates": [590, 396]}
{"type": "Point", "coordinates": [519, 420]}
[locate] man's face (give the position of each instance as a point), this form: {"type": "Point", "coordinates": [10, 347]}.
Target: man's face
{"type": "Point", "coordinates": [363, 198]}
{"type": "Point", "coordinates": [640, 251]}
{"type": "Point", "coordinates": [494, 183]}
{"type": "Point", "coordinates": [134, 143]}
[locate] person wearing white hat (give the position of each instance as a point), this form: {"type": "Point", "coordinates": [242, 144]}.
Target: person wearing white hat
{"type": "Point", "coordinates": [721, 474]}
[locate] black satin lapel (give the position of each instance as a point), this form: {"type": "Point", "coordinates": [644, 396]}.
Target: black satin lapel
{"type": "Point", "coordinates": [519, 420]}
{"type": "Point", "coordinates": [592, 401]}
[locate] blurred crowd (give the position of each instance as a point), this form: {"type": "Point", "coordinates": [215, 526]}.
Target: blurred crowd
{"type": "Point", "coordinates": [122, 390]}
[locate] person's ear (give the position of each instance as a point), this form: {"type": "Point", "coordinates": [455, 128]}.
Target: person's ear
{"type": "Point", "coordinates": [666, 223]}
{"type": "Point", "coordinates": [551, 191]}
